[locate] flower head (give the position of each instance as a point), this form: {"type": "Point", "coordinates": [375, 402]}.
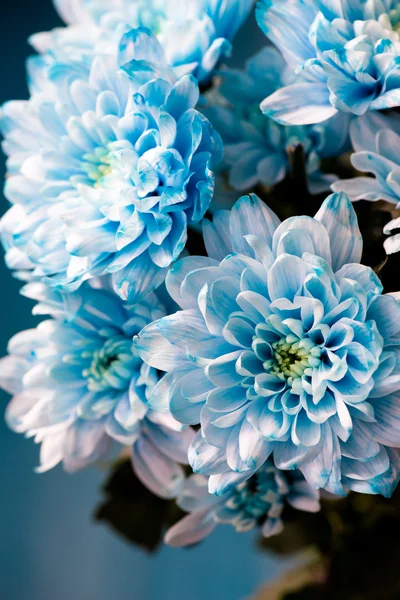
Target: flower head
{"type": "Point", "coordinates": [347, 53]}
{"type": "Point", "coordinates": [375, 138]}
{"type": "Point", "coordinates": [284, 345]}
{"type": "Point", "coordinates": [257, 501]}
{"type": "Point", "coordinates": [195, 35]}
{"type": "Point", "coordinates": [256, 149]}
{"type": "Point", "coordinates": [78, 384]}
{"type": "Point", "coordinates": [105, 175]}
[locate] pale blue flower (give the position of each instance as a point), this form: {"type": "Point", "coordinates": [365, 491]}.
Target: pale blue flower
{"type": "Point", "coordinates": [195, 35]}
{"type": "Point", "coordinates": [347, 53]}
{"type": "Point", "coordinates": [78, 385]}
{"type": "Point", "coordinates": [257, 501]}
{"type": "Point", "coordinates": [256, 147]}
{"type": "Point", "coordinates": [284, 345]}
{"type": "Point", "coordinates": [105, 175]}
{"type": "Point", "coordinates": [376, 139]}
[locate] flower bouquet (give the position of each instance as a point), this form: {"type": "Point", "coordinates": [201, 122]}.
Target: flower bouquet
{"type": "Point", "coordinates": [212, 248]}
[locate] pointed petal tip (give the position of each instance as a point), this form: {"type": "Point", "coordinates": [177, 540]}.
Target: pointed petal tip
{"type": "Point", "coordinates": [339, 218]}
{"type": "Point", "coordinates": [338, 199]}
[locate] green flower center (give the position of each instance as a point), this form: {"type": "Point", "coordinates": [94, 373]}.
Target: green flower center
{"type": "Point", "coordinates": [253, 501]}
{"type": "Point", "coordinates": [292, 358]}
{"type": "Point", "coordinates": [97, 165]}
{"type": "Point", "coordinates": [394, 16]}
{"type": "Point", "coordinates": [111, 366]}
{"type": "Point", "coordinates": [255, 497]}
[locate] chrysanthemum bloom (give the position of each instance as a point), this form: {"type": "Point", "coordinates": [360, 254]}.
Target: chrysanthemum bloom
{"type": "Point", "coordinates": [78, 385]}
{"type": "Point", "coordinates": [195, 35]}
{"type": "Point", "coordinates": [376, 140]}
{"type": "Point", "coordinates": [257, 502]}
{"type": "Point", "coordinates": [284, 345]}
{"type": "Point", "coordinates": [348, 53]}
{"type": "Point", "coordinates": [105, 177]}
{"type": "Point", "coordinates": [256, 148]}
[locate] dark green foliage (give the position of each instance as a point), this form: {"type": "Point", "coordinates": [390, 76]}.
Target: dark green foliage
{"type": "Point", "coordinates": [133, 511]}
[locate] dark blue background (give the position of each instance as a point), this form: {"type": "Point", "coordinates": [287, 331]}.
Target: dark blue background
{"type": "Point", "coordinates": [50, 548]}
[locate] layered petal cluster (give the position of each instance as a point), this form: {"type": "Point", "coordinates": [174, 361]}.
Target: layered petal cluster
{"type": "Point", "coordinates": [195, 35]}
{"type": "Point", "coordinates": [284, 345]}
{"type": "Point", "coordinates": [258, 501]}
{"type": "Point", "coordinates": [256, 147]}
{"type": "Point", "coordinates": [93, 12]}
{"type": "Point", "coordinates": [78, 385]}
{"type": "Point", "coordinates": [346, 51]}
{"type": "Point", "coordinates": [105, 175]}
{"type": "Point", "coordinates": [375, 139]}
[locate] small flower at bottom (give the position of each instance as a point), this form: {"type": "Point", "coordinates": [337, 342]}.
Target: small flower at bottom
{"type": "Point", "coordinates": [78, 385]}
{"type": "Point", "coordinates": [258, 501]}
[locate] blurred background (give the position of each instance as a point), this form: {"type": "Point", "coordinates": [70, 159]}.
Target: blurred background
{"type": "Point", "coordinates": [50, 546]}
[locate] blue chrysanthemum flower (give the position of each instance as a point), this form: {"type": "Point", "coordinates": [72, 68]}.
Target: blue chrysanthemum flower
{"type": "Point", "coordinates": [195, 35]}
{"type": "Point", "coordinates": [88, 12]}
{"type": "Point", "coordinates": [375, 139]}
{"type": "Point", "coordinates": [255, 146]}
{"type": "Point", "coordinates": [347, 52]}
{"type": "Point", "coordinates": [258, 501]}
{"type": "Point", "coordinates": [78, 385]}
{"type": "Point", "coordinates": [284, 345]}
{"type": "Point", "coordinates": [105, 175]}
